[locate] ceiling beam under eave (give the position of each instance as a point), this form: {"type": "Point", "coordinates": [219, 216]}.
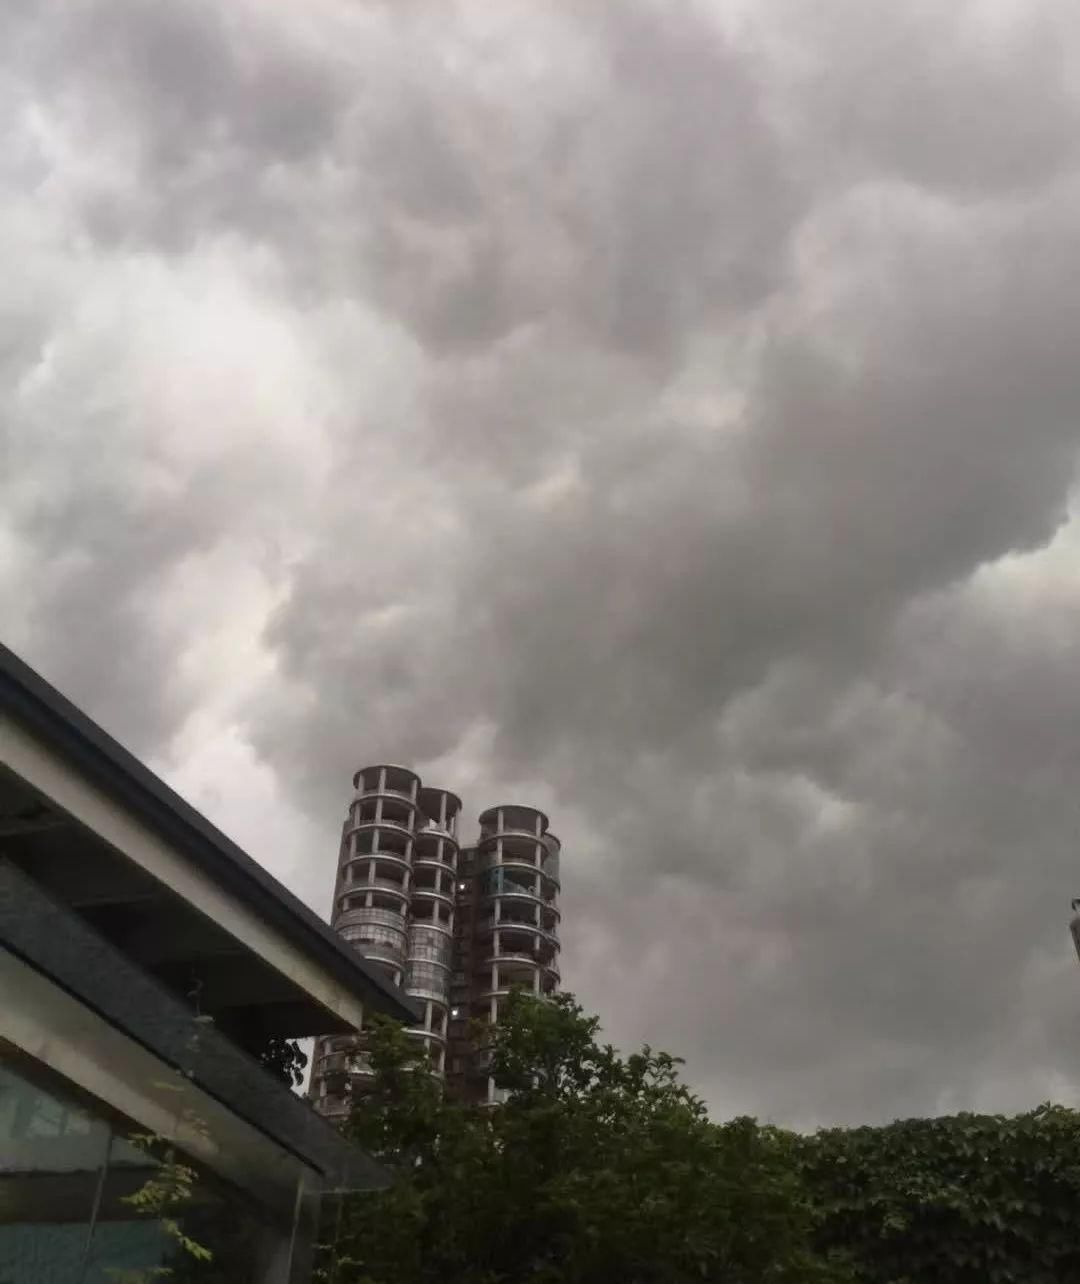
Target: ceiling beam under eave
{"type": "Point", "coordinates": [17, 826]}
{"type": "Point", "coordinates": [77, 874]}
{"type": "Point", "coordinates": [282, 1020]}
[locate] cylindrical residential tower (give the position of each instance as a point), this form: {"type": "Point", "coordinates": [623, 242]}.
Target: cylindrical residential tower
{"type": "Point", "coordinates": [431, 918]}
{"type": "Point", "coordinates": [516, 911]}
{"type": "Point", "coordinates": [371, 907]}
{"type": "Point", "coordinates": [374, 885]}
{"type": "Point", "coordinates": [457, 928]}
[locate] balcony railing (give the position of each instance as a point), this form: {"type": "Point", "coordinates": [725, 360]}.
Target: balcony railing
{"type": "Point", "coordinates": [519, 863]}
{"type": "Point", "coordinates": [363, 914]}
{"type": "Point", "coordinates": [511, 889]}
{"type": "Point", "coordinates": [491, 832]}
{"type": "Point", "coordinates": [384, 854]}
{"type": "Point", "coordinates": [376, 792]}
{"type": "Point", "coordinates": [426, 1034]}
{"type": "Point", "coordinates": [336, 1043]}
{"type": "Point", "coordinates": [431, 992]}
{"type": "Point", "coordinates": [400, 828]}
{"type": "Point", "coordinates": [378, 885]}
{"type": "Point", "coordinates": [489, 923]}
{"type": "Point", "coordinates": [431, 857]}
{"type": "Point", "coordinates": [516, 955]}
{"type": "Point", "coordinates": [427, 952]}
{"type": "Point", "coordinates": [431, 833]}
{"type": "Point", "coordinates": [380, 951]}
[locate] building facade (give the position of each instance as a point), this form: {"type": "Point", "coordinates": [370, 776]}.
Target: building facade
{"type": "Point", "coordinates": [456, 928]}
{"type": "Point", "coordinates": [149, 969]}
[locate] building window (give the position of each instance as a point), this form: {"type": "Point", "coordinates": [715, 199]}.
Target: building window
{"type": "Point", "coordinates": [65, 1171]}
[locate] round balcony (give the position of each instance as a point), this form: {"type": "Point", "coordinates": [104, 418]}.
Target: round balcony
{"type": "Point", "coordinates": [516, 916]}
{"type": "Point", "coordinates": [435, 1042]}
{"type": "Point", "coordinates": [431, 837]}
{"type": "Point", "coordinates": [517, 857]}
{"type": "Point", "coordinates": [426, 988]}
{"type": "Point", "coordinates": [512, 818]}
{"type": "Point", "coordinates": [356, 866]}
{"type": "Point", "coordinates": [550, 938]}
{"type": "Point", "coordinates": [434, 869]}
{"type": "Point", "coordinates": [432, 925]}
{"type": "Point", "coordinates": [419, 890]}
{"type": "Point", "coordinates": [436, 851]}
{"type": "Point", "coordinates": [428, 979]}
{"type": "Point", "coordinates": [431, 912]}
{"type": "Point", "coordinates": [528, 845]}
{"type": "Point", "coordinates": [384, 834]}
{"type": "Point", "coordinates": [333, 1063]}
{"type": "Point", "coordinates": [390, 964]}
{"type": "Point", "coordinates": [363, 914]}
{"type": "Point", "coordinates": [389, 930]}
{"type": "Point", "coordinates": [332, 1043]}
{"type": "Point", "coordinates": [514, 940]}
{"type": "Point", "coordinates": [551, 917]}
{"type": "Point", "coordinates": [513, 968]}
{"type": "Point", "coordinates": [430, 944]}
{"type": "Point", "coordinates": [417, 974]}
{"type": "Point", "coordinates": [388, 778]}
{"type": "Point", "coordinates": [549, 864]}
{"type": "Point", "coordinates": [521, 958]}
{"type": "Point", "coordinates": [500, 992]}
{"type": "Point", "coordinates": [381, 889]}
{"type": "Point", "coordinates": [390, 959]}
{"type": "Point", "coordinates": [430, 991]}
{"type": "Point", "coordinates": [519, 873]}
{"type": "Point", "coordinates": [514, 895]}
{"type": "Point", "coordinates": [442, 808]}
{"type": "Point", "coordinates": [435, 1047]}
{"type": "Point", "coordinates": [359, 870]}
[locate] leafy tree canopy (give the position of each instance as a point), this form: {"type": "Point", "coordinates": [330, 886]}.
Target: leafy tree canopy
{"type": "Point", "coordinates": [596, 1168]}
{"type": "Point", "coordinates": [600, 1167]}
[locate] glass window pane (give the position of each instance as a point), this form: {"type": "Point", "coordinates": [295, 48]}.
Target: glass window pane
{"type": "Point", "coordinates": [65, 1214]}
{"type": "Point", "coordinates": [51, 1157]}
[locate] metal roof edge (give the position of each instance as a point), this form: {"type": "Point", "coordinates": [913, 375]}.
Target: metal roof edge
{"type": "Point", "coordinates": [48, 714]}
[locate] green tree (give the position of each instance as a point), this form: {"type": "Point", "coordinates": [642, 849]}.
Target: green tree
{"type": "Point", "coordinates": [208, 1235]}
{"type": "Point", "coordinates": [596, 1167]}
{"type": "Point", "coordinates": [967, 1199]}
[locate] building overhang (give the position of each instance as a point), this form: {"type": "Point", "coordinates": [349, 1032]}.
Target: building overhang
{"type": "Point", "coordinates": [101, 835]}
{"type": "Point", "coordinates": [73, 1003]}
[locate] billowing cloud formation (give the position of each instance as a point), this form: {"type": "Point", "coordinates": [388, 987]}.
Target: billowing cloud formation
{"type": "Point", "coordinates": [665, 412]}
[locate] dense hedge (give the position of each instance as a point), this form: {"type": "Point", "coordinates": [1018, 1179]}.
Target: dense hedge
{"type": "Point", "coordinates": [968, 1198]}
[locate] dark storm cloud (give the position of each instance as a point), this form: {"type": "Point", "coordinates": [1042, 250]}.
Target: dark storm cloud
{"type": "Point", "coordinates": [666, 411]}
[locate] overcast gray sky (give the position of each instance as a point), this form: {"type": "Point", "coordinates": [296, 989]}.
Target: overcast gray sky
{"type": "Point", "coordinates": [666, 412]}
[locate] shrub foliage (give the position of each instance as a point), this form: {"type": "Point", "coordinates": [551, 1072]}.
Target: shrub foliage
{"type": "Point", "coordinates": [600, 1167]}
{"type": "Point", "coordinates": [969, 1199]}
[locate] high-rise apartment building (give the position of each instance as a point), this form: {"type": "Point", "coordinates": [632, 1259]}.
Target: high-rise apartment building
{"type": "Point", "coordinates": [457, 928]}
